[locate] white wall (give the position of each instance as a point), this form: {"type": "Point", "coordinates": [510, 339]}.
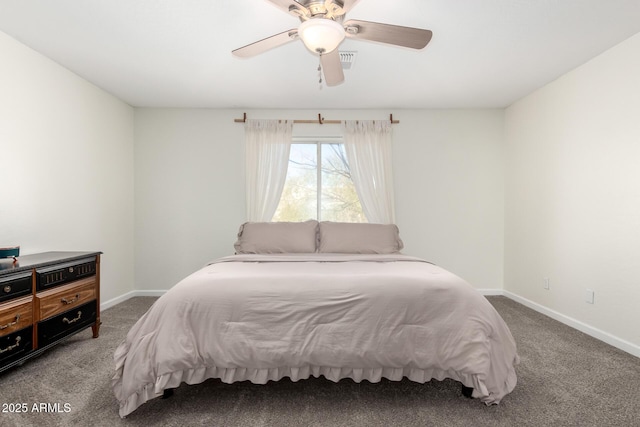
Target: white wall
{"type": "Point", "coordinates": [190, 197]}
{"type": "Point", "coordinates": [573, 193]}
{"type": "Point", "coordinates": [66, 174]}
{"type": "Point", "coordinates": [189, 181]}
{"type": "Point", "coordinates": [448, 168]}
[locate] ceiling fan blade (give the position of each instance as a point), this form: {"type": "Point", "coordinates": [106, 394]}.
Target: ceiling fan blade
{"type": "Point", "coordinates": [266, 44]}
{"type": "Point", "coordinates": [332, 68]}
{"type": "Point", "coordinates": [292, 7]}
{"type": "Point", "coordinates": [414, 38]}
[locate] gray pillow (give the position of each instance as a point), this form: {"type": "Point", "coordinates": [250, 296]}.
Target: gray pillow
{"type": "Point", "coordinates": [277, 237]}
{"type": "Point", "coordinates": [359, 238]}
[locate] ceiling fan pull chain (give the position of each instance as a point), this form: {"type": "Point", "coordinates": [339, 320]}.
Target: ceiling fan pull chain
{"type": "Point", "coordinates": [319, 72]}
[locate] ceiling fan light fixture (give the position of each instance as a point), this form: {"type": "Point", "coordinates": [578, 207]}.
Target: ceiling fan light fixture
{"type": "Point", "coordinates": [321, 35]}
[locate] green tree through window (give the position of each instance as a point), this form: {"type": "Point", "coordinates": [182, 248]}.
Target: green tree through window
{"type": "Point", "coordinates": [318, 185]}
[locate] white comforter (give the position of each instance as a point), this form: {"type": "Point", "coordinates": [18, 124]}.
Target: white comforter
{"type": "Point", "coordinates": [261, 318]}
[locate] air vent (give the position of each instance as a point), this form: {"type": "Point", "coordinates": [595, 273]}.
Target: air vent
{"type": "Point", "coordinates": [347, 59]}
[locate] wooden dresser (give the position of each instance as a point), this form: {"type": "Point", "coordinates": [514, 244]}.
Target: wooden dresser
{"type": "Point", "coordinates": [45, 298]}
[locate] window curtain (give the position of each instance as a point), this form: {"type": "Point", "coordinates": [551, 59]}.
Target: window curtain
{"type": "Point", "coordinates": [267, 147]}
{"type": "Point", "coordinates": [367, 144]}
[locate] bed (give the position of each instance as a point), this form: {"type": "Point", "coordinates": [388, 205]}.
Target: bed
{"type": "Point", "coordinates": [317, 299]}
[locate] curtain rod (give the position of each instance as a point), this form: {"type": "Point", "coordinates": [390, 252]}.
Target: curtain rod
{"type": "Point", "coordinates": [321, 120]}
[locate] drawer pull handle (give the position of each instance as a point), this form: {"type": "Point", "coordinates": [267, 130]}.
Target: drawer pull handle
{"type": "Point", "coordinates": [11, 347]}
{"type": "Point", "coordinates": [7, 289]}
{"type": "Point", "coordinates": [15, 322]}
{"type": "Point", "coordinates": [70, 301]}
{"type": "Point", "coordinates": [67, 321]}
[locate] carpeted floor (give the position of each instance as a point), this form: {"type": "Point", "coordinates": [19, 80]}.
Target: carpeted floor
{"type": "Point", "coordinates": [565, 378]}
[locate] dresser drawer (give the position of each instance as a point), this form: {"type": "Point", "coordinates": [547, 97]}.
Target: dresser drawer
{"type": "Point", "coordinates": [16, 345]}
{"type": "Point", "coordinates": [15, 286]}
{"type": "Point", "coordinates": [15, 315]}
{"type": "Point", "coordinates": [66, 323]}
{"type": "Point", "coordinates": [60, 274]}
{"type": "Point", "coordinates": [63, 298]}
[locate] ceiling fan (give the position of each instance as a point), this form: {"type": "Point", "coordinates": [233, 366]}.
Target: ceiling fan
{"type": "Point", "coordinates": [323, 28]}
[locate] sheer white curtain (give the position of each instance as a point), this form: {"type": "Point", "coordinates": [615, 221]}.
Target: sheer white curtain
{"type": "Point", "coordinates": [367, 144]}
{"type": "Point", "coordinates": [267, 147]}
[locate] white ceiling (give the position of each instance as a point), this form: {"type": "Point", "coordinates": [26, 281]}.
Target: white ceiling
{"type": "Point", "coordinates": [177, 53]}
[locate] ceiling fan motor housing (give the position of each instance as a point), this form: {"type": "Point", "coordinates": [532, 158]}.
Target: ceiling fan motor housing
{"type": "Point", "coordinates": [330, 9]}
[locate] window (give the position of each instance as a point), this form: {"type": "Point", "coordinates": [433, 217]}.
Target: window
{"type": "Point", "coordinates": [318, 185]}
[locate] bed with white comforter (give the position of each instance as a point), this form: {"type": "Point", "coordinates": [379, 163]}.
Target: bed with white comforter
{"type": "Point", "coordinates": [262, 317]}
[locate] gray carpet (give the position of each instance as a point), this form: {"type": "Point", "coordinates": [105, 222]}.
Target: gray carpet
{"type": "Point", "coordinates": [565, 378]}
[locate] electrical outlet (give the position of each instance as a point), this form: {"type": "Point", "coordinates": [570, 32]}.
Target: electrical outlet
{"type": "Point", "coordinates": [546, 283]}
{"type": "Point", "coordinates": [589, 296]}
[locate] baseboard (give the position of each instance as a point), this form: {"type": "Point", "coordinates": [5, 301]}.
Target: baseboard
{"type": "Point", "coordinates": [576, 324]}
{"type": "Point", "coordinates": [122, 298]}
{"type": "Point", "coordinates": [491, 292]}
{"type": "Point", "coordinates": [569, 321]}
